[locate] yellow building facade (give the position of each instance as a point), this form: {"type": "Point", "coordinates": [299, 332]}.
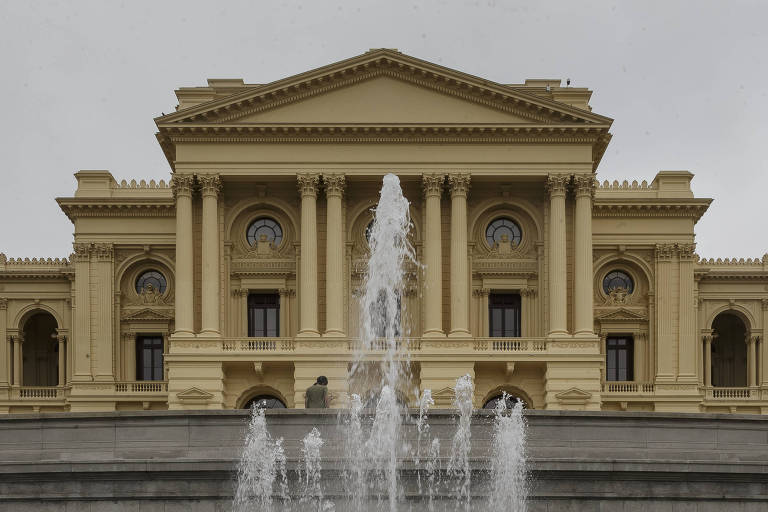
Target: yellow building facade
{"type": "Point", "coordinates": [239, 278]}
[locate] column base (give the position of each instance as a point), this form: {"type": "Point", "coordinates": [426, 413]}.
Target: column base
{"type": "Point", "coordinates": [183, 334]}
{"type": "Point", "coordinates": [433, 333]}
{"type": "Point", "coordinates": [308, 334]}
{"type": "Point", "coordinates": [334, 334]}
{"type": "Point", "coordinates": [558, 334]}
{"type": "Point", "coordinates": [459, 333]}
{"type": "Point", "coordinates": [584, 334]}
{"type": "Point", "coordinates": [209, 334]}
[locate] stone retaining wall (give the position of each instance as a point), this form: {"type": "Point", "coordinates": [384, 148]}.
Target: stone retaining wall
{"type": "Point", "coordinates": [579, 460]}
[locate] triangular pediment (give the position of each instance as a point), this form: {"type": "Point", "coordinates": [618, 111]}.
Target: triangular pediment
{"type": "Point", "coordinates": [622, 314]}
{"type": "Point", "coordinates": [194, 394]}
{"type": "Point", "coordinates": [146, 314]}
{"type": "Point", "coordinates": [383, 87]}
{"type": "Point", "coordinates": [573, 396]}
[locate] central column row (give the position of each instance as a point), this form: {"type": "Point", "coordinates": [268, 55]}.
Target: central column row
{"type": "Point", "coordinates": [308, 184]}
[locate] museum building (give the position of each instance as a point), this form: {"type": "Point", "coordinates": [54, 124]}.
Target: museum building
{"type": "Point", "coordinates": [239, 279]}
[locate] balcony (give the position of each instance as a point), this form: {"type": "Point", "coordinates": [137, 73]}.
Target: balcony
{"type": "Point", "coordinates": [37, 393]}
{"type": "Point", "coordinates": [230, 345]}
{"type": "Point", "coordinates": [628, 388]}
{"type": "Point", "coordinates": [141, 387]}
{"type": "Point", "coordinates": [510, 345]}
{"type": "Point", "coordinates": [731, 394]}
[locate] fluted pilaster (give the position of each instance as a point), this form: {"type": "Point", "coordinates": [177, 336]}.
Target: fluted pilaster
{"type": "Point", "coordinates": [308, 325]}
{"type": "Point", "coordinates": [582, 272]}
{"type": "Point", "coordinates": [184, 276]}
{"type": "Point", "coordinates": [459, 184]}
{"type": "Point", "coordinates": [334, 260]}
{"type": "Point", "coordinates": [558, 284]}
{"type": "Point", "coordinates": [433, 274]}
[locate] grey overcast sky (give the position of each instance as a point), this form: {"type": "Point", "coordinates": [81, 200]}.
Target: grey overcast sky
{"type": "Point", "coordinates": [686, 82]}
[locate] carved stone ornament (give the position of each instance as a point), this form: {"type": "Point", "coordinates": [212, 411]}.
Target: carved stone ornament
{"type": "Point", "coordinates": [764, 302]}
{"type": "Point", "coordinates": [617, 296]}
{"type": "Point", "coordinates": [210, 184]}
{"type": "Point", "coordinates": [664, 251]}
{"type": "Point", "coordinates": [103, 251]}
{"type": "Point", "coordinates": [686, 251]}
{"type": "Point", "coordinates": [182, 185]}
{"type": "Point", "coordinates": [557, 183]}
{"type": "Point", "coordinates": [432, 184]}
{"type": "Point", "coordinates": [151, 295]}
{"type": "Point", "coordinates": [334, 184]}
{"type": "Point", "coordinates": [584, 186]}
{"type": "Point", "coordinates": [308, 183]}
{"type": "Point", "coordinates": [3, 303]}
{"type": "Point", "coordinates": [82, 252]}
{"type": "Point", "coordinates": [459, 183]}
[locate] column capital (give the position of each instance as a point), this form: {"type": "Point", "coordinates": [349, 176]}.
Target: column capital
{"type": "Point", "coordinates": [210, 184]}
{"type": "Point", "coordinates": [308, 183]}
{"type": "Point", "coordinates": [481, 292]}
{"type": "Point", "coordinates": [459, 183]}
{"type": "Point", "coordinates": [432, 184]}
{"type": "Point", "coordinates": [584, 186]}
{"type": "Point", "coordinates": [686, 251]}
{"type": "Point", "coordinates": [557, 183]}
{"type": "Point", "coordinates": [102, 251]}
{"type": "Point", "coordinates": [287, 292]}
{"type": "Point", "coordinates": [750, 338]}
{"type": "Point", "coordinates": [82, 252]}
{"type": "Point", "coordinates": [3, 303]}
{"type": "Point", "coordinates": [182, 185]}
{"type": "Point", "coordinates": [664, 252]}
{"type": "Point", "coordinates": [528, 292]}
{"type": "Point", "coordinates": [334, 184]}
{"type": "Point", "coordinates": [764, 303]}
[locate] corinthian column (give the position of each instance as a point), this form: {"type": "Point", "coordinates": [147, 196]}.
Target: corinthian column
{"type": "Point", "coordinates": [708, 359]}
{"type": "Point", "coordinates": [210, 186]}
{"type": "Point", "coordinates": [334, 259]}
{"type": "Point", "coordinates": [433, 274]}
{"type": "Point", "coordinates": [558, 284]}
{"type": "Point", "coordinates": [18, 360]}
{"type": "Point", "coordinates": [459, 264]}
{"type": "Point", "coordinates": [751, 360]}
{"type": "Point", "coordinates": [308, 268]}
{"type": "Point", "coordinates": [60, 338]}
{"type": "Point", "coordinates": [184, 278]}
{"type": "Point", "coordinates": [582, 269]}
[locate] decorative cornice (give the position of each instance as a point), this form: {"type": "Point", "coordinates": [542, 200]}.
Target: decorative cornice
{"type": "Point", "coordinates": [557, 183]}
{"type": "Point", "coordinates": [650, 208]}
{"type": "Point", "coordinates": [308, 184]}
{"type": "Point", "coordinates": [432, 184]}
{"type": "Point", "coordinates": [182, 185]}
{"type": "Point", "coordinates": [334, 184]}
{"type": "Point", "coordinates": [210, 184]}
{"type": "Point", "coordinates": [459, 183]}
{"type": "Point", "coordinates": [584, 186]}
{"type": "Point", "coordinates": [77, 208]}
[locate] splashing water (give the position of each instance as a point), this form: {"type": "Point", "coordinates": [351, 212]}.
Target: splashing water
{"type": "Point", "coordinates": [508, 471]}
{"type": "Point", "coordinates": [262, 463]}
{"type": "Point", "coordinates": [458, 466]}
{"type": "Point", "coordinates": [311, 474]}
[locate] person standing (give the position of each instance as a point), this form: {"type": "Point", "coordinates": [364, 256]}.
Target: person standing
{"type": "Point", "coordinates": [316, 396]}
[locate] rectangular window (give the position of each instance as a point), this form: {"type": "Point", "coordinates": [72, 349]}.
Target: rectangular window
{"type": "Point", "coordinates": [263, 315]}
{"type": "Point", "coordinates": [619, 364]}
{"type": "Point", "coordinates": [504, 315]}
{"type": "Point", "coordinates": [149, 358]}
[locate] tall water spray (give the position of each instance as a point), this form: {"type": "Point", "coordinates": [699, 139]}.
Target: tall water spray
{"type": "Point", "coordinates": [508, 458]}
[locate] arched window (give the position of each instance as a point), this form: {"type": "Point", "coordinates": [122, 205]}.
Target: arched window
{"type": "Point", "coordinates": [152, 281]}
{"type": "Point", "coordinates": [503, 229]}
{"type": "Point", "coordinates": [264, 402]}
{"type": "Point", "coordinates": [618, 279]}
{"type": "Point", "coordinates": [41, 351]}
{"type": "Point", "coordinates": [511, 400]}
{"type": "Point", "coordinates": [265, 229]}
{"type": "Point", "coordinates": [729, 351]}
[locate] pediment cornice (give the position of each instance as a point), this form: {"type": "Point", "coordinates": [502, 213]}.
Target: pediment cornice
{"type": "Point", "coordinates": [693, 208]}
{"type": "Point", "coordinates": [374, 64]}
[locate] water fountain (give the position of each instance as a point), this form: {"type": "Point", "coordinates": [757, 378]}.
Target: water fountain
{"type": "Point", "coordinates": [392, 460]}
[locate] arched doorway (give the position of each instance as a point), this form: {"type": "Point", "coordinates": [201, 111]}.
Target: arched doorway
{"type": "Point", "coordinates": [729, 351]}
{"type": "Point", "coordinates": [264, 402]}
{"type": "Point", "coordinates": [509, 402]}
{"type": "Point", "coordinates": [40, 351]}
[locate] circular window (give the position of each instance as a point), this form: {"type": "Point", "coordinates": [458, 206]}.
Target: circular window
{"type": "Point", "coordinates": [264, 402]}
{"type": "Point", "coordinates": [265, 229]}
{"type": "Point", "coordinates": [503, 229]}
{"type": "Point", "coordinates": [152, 281]}
{"type": "Point", "coordinates": [509, 402]}
{"type": "Point", "coordinates": [618, 279]}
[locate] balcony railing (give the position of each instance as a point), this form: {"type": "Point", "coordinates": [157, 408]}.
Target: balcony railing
{"type": "Point", "coordinates": [511, 344]}
{"type": "Point", "coordinates": [258, 345]}
{"type": "Point", "coordinates": [731, 393]}
{"type": "Point", "coordinates": [628, 388]}
{"type": "Point", "coordinates": [38, 393]}
{"type": "Point", "coordinates": [145, 386]}
{"type": "Point", "coordinates": [410, 344]}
